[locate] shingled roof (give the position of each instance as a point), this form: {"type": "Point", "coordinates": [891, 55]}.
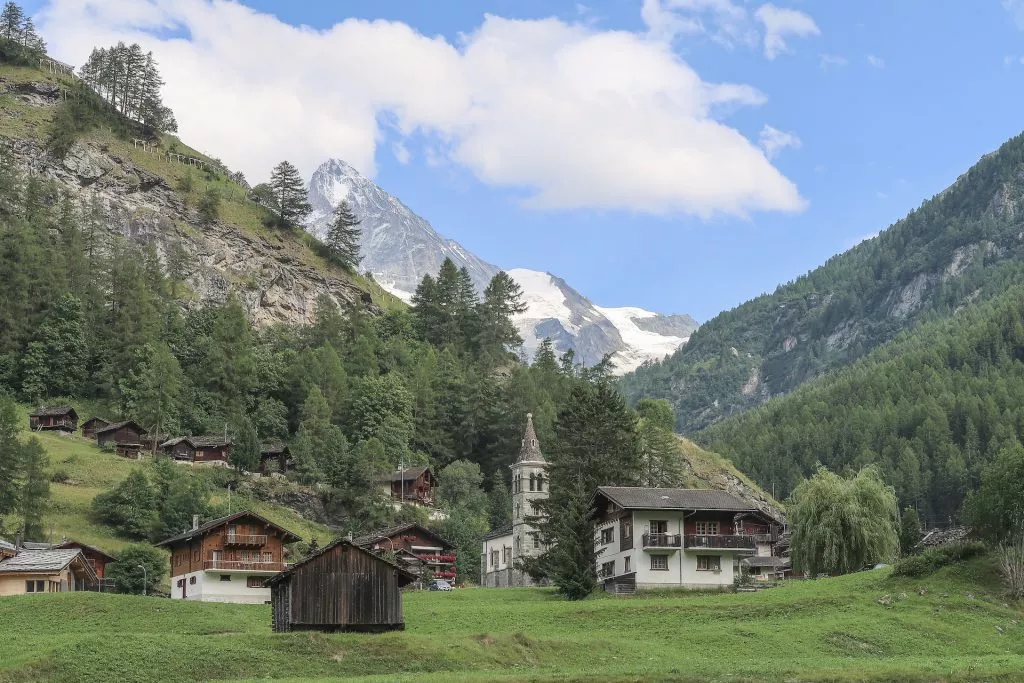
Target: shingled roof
{"type": "Point", "coordinates": [54, 410]}
{"type": "Point", "coordinates": [529, 451]}
{"type": "Point", "coordinates": [42, 561]}
{"type": "Point", "coordinates": [201, 530]}
{"type": "Point", "coordinates": [635, 497]}
{"type": "Point", "coordinates": [766, 561]}
{"type": "Point", "coordinates": [408, 474]}
{"type": "Point", "coordinates": [388, 532]}
{"type": "Point", "coordinates": [118, 425]}
{"type": "Point", "coordinates": [405, 575]}
{"type": "Point", "coordinates": [504, 530]}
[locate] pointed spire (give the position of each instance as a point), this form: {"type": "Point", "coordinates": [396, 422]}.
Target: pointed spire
{"type": "Point", "coordinates": [530, 449]}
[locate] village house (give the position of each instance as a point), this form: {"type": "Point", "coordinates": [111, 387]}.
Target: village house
{"type": "Point", "coordinates": [341, 587]}
{"type": "Point", "coordinates": [45, 571]}
{"type": "Point", "coordinates": [227, 559]}
{"type": "Point", "coordinates": [688, 538]}
{"type": "Point", "coordinates": [410, 485]}
{"type": "Point", "coordinates": [275, 458]}
{"type": "Point", "coordinates": [95, 557]}
{"type": "Point", "coordinates": [125, 437]}
{"type": "Point", "coordinates": [503, 547]}
{"type": "Point", "coordinates": [198, 449]}
{"type": "Point", "coordinates": [436, 552]}
{"type": "Point", "coordinates": [766, 568]}
{"type": "Point", "coordinates": [90, 426]}
{"type": "Point", "coordinates": [54, 418]}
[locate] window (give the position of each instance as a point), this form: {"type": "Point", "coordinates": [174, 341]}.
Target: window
{"type": "Point", "coordinates": [707, 528]}
{"type": "Point", "coordinates": [709, 563]}
{"type": "Point", "coordinates": [627, 529]}
{"type": "Point", "coordinates": [35, 586]}
{"type": "Point", "coordinates": [225, 577]}
{"type": "Point", "coordinates": [659, 526]}
{"type": "Point", "coordinates": [607, 568]}
{"type": "Point", "coordinates": [181, 582]}
{"type": "Point", "coordinates": [540, 482]}
{"type": "Point", "coordinates": [659, 563]}
{"type": "Point", "coordinates": [192, 580]}
{"type": "Point", "coordinates": [254, 582]}
{"type": "Point", "coordinates": [494, 558]}
{"type": "Point", "coordinates": [625, 565]}
{"type": "Point", "coordinates": [536, 540]}
{"type": "Point", "coordinates": [533, 482]}
{"type": "Point", "coordinates": [607, 535]}
{"type": "Point", "coordinates": [517, 510]}
{"type": "Point", "coordinates": [506, 554]}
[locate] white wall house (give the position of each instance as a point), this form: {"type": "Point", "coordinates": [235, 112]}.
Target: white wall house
{"type": "Point", "coordinates": [502, 547]}
{"type": "Point", "coordinates": [682, 538]}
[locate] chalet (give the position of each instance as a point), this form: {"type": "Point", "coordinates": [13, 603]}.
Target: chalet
{"type": "Point", "coordinates": [58, 418]}
{"type": "Point", "coordinates": [765, 568]}
{"type": "Point", "coordinates": [227, 559]}
{"type": "Point", "coordinates": [275, 458]}
{"type": "Point", "coordinates": [45, 571]}
{"type": "Point", "coordinates": [689, 538]}
{"type": "Point", "coordinates": [125, 437]}
{"type": "Point", "coordinates": [436, 552]}
{"type": "Point", "coordinates": [90, 426]}
{"type": "Point", "coordinates": [410, 485]}
{"type": "Point", "coordinates": [341, 587]}
{"type": "Point", "coordinates": [198, 449]}
{"type": "Point", "coordinates": [95, 557]}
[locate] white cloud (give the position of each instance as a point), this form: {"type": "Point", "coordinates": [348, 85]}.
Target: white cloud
{"type": "Point", "coordinates": [881, 195]}
{"type": "Point", "coordinates": [401, 152]}
{"type": "Point", "coordinates": [826, 61]}
{"type": "Point", "coordinates": [774, 141]}
{"type": "Point", "coordinates": [876, 61]}
{"type": "Point", "coordinates": [1016, 9]}
{"type": "Point", "coordinates": [575, 116]}
{"type": "Point", "coordinates": [780, 22]}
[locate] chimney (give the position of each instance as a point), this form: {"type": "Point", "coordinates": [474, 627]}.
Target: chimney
{"type": "Point", "coordinates": [195, 522]}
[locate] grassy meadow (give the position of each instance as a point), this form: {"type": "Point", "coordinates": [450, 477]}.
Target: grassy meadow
{"type": "Point", "coordinates": [954, 625]}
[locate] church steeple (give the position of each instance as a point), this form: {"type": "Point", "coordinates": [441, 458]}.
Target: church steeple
{"type": "Point", "coordinates": [530, 449]}
{"type": "Point", "coordinates": [529, 483]}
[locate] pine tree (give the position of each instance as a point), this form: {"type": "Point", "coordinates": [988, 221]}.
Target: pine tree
{"type": "Point", "coordinates": [245, 443]}
{"type": "Point", "coordinates": [153, 394]}
{"type": "Point", "coordinates": [12, 18]}
{"type": "Point", "coordinates": [343, 237]}
{"type": "Point", "coordinates": [503, 299]}
{"type": "Point", "coordinates": [10, 458]}
{"type": "Point", "coordinates": [35, 492]}
{"type": "Point", "coordinates": [290, 199]}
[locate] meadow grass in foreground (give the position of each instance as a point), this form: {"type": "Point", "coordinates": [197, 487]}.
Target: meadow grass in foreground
{"type": "Point", "coordinates": [951, 626]}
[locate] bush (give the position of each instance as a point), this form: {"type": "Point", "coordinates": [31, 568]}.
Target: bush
{"type": "Point", "coordinates": [1011, 566]}
{"type": "Point", "coordinates": [60, 476]}
{"type": "Point", "coordinates": [933, 559]}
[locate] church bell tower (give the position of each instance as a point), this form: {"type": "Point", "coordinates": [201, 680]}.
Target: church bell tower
{"type": "Point", "coordinates": [529, 483]}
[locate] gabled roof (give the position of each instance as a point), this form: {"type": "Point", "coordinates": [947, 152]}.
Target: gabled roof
{"type": "Point", "coordinates": [96, 419]}
{"type": "Point", "coordinates": [408, 474]}
{"type": "Point", "coordinates": [499, 532]}
{"type": "Point", "coordinates": [270, 449]}
{"type": "Point", "coordinates": [118, 425]}
{"type": "Point", "coordinates": [765, 561]}
{"type": "Point", "coordinates": [35, 545]}
{"type": "Point", "coordinates": [54, 410]}
{"type": "Point", "coordinates": [203, 529]}
{"type": "Point", "coordinates": [198, 441]}
{"type": "Point", "coordinates": [72, 543]}
{"type": "Point", "coordinates": [44, 562]}
{"type": "Point", "coordinates": [529, 451]}
{"type": "Point", "coordinates": [409, 578]}
{"type": "Point", "coordinates": [380, 534]}
{"type": "Point", "coordinates": [641, 498]}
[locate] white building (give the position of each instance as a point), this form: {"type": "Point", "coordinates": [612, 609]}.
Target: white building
{"type": "Point", "coordinates": [683, 538]}
{"type": "Point", "coordinates": [502, 547]}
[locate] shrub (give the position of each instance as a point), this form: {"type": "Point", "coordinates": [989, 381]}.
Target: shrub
{"type": "Point", "coordinates": [1011, 566]}
{"type": "Point", "coordinates": [933, 559]}
{"type": "Point", "coordinates": [60, 476]}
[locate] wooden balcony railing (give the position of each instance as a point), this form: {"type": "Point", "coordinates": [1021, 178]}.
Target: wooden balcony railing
{"type": "Point", "coordinates": [238, 565]}
{"type": "Point", "coordinates": [662, 541]}
{"type": "Point", "coordinates": [245, 539]}
{"type": "Point", "coordinates": [725, 542]}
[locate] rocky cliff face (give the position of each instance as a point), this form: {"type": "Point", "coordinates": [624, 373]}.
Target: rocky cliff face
{"type": "Point", "coordinates": [275, 277]}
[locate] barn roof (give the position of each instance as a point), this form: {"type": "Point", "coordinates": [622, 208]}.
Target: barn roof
{"type": "Point", "coordinates": [766, 561]}
{"type": "Point", "coordinates": [380, 534]}
{"type": "Point", "coordinates": [408, 474]}
{"type": "Point", "coordinates": [202, 529]}
{"type": "Point", "coordinates": [96, 418]}
{"type": "Point", "coordinates": [277, 578]}
{"type": "Point", "coordinates": [43, 561]}
{"type": "Point", "coordinates": [72, 543]}
{"type": "Point", "coordinates": [641, 498]}
{"type": "Point", "coordinates": [208, 441]}
{"type": "Point", "coordinates": [119, 425]}
{"type": "Point", "coordinates": [54, 411]}
{"type": "Point", "coordinates": [269, 449]}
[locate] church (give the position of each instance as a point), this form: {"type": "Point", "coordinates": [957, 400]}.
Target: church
{"type": "Point", "coordinates": [503, 547]}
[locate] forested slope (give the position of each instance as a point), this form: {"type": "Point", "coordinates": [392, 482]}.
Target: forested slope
{"type": "Point", "coordinates": [962, 246]}
{"type": "Point", "coordinates": [930, 408]}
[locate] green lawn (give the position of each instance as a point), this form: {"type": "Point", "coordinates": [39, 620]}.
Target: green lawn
{"type": "Point", "coordinates": [960, 628]}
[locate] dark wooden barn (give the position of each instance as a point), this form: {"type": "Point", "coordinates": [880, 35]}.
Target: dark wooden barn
{"type": "Point", "coordinates": [339, 588]}
{"type": "Point", "coordinates": [275, 458]}
{"type": "Point", "coordinates": [128, 432]}
{"type": "Point", "coordinates": [90, 426]}
{"type": "Point", "coordinates": [59, 418]}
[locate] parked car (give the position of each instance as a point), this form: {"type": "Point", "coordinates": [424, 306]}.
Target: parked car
{"type": "Point", "coordinates": [439, 585]}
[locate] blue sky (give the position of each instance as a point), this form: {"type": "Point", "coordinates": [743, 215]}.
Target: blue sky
{"type": "Point", "coordinates": [890, 101]}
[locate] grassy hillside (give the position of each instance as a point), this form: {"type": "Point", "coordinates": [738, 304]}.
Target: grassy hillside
{"type": "Point", "coordinates": [950, 626]}
{"type": "Point", "coordinates": [91, 471]}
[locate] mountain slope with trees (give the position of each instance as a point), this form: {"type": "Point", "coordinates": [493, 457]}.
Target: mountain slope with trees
{"type": "Point", "coordinates": [962, 246]}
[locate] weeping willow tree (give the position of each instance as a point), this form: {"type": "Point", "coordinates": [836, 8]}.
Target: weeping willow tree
{"type": "Point", "coordinates": [842, 525]}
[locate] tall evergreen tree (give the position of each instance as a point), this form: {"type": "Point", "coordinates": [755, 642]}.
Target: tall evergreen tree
{"type": "Point", "coordinates": [290, 198]}
{"type": "Point", "coordinates": [10, 458]}
{"type": "Point", "coordinates": [343, 237]}
{"type": "Point", "coordinates": [35, 491]}
{"type": "Point", "coordinates": [12, 19]}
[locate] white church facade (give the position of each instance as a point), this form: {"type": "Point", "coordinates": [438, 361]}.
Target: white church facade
{"type": "Point", "coordinates": [503, 547]}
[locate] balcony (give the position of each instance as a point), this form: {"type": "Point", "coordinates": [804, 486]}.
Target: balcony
{"type": "Point", "coordinates": [242, 566]}
{"type": "Point", "coordinates": [721, 542]}
{"type": "Point", "coordinates": [245, 540]}
{"type": "Point", "coordinates": [669, 541]}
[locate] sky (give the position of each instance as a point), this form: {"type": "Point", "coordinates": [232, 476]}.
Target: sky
{"type": "Point", "coordinates": [678, 155]}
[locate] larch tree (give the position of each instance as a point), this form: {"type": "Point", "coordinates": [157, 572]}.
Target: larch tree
{"type": "Point", "coordinates": [12, 19]}
{"type": "Point", "coordinates": [343, 237]}
{"type": "Point", "coordinates": [290, 198]}
{"type": "Point", "coordinates": [842, 525]}
{"type": "Point", "coordinates": [35, 490]}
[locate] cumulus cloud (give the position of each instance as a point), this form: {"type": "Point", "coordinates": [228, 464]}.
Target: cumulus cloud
{"type": "Point", "coordinates": [575, 116]}
{"type": "Point", "coordinates": [727, 23]}
{"type": "Point", "coordinates": [781, 22]}
{"type": "Point", "coordinates": [826, 61]}
{"type": "Point", "coordinates": [1016, 10]}
{"type": "Point", "coordinates": [876, 61]}
{"type": "Point", "coordinates": [774, 141]}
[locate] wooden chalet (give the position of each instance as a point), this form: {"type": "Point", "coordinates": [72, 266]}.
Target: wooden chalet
{"type": "Point", "coordinates": [227, 559]}
{"type": "Point", "coordinates": [341, 587]}
{"type": "Point", "coordinates": [54, 418]}
{"type": "Point", "coordinates": [45, 571]}
{"type": "Point", "coordinates": [90, 426]}
{"type": "Point", "coordinates": [126, 437]}
{"type": "Point", "coordinates": [275, 458]}
{"type": "Point", "coordinates": [198, 449]}
{"type": "Point", "coordinates": [410, 485]}
{"type": "Point", "coordinates": [97, 559]}
{"type": "Point", "coordinates": [436, 552]}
